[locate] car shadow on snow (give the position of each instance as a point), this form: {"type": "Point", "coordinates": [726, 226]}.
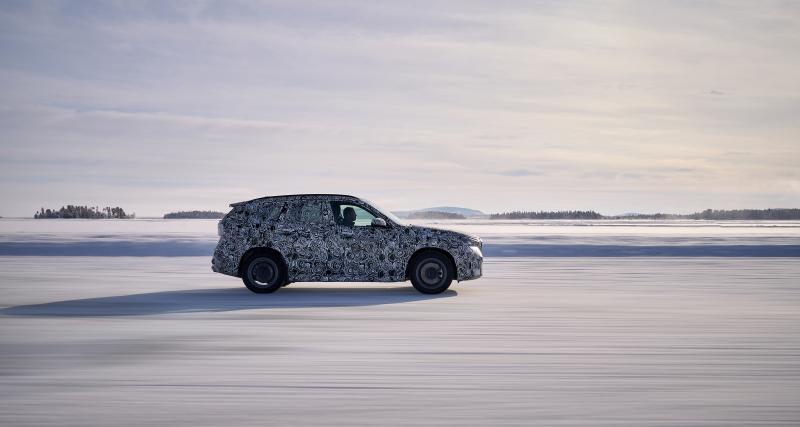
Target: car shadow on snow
{"type": "Point", "coordinates": [221, 300]}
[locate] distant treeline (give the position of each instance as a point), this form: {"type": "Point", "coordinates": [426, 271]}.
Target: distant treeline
{"type": "Point", "coordinates": [194, 215]}
{"type": "Point", "coordinates": [435, 215]}
{"type": "Point", "coordinates": [736, 214]}
{"type": "Point", "coordinates": [708, 214]}
{"type": "Point", "coordinates": [86, 212]}
{"type": "Point", "coordinates": [547, 215]}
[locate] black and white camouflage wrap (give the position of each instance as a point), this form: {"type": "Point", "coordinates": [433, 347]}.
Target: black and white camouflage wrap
{"type": "Point", "coordinates": [316, 249]}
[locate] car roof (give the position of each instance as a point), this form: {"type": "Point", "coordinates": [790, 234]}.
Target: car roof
{"type": "Point", "coordinates": [293, 196]}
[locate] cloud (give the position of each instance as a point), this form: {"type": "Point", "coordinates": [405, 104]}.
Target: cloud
{"type": "Point", "coordinates": [399, 103]}
{"type": "Point", "coordinates": [518, 173]}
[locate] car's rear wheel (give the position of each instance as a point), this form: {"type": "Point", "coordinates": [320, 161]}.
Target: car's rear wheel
{"type": "Point", "coordinates": [263, 274]}
{"type": "Point", "coordinates": [431, 272]}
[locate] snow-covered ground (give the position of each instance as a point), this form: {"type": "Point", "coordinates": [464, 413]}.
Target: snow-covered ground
{"type": "Point", "coordinates": [559, 340]}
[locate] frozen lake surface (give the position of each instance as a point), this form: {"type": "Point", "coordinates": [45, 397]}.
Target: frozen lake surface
{"type": "Point", "coordinates": [569, 340]}
{"type": "Point", "coordinates": [158, 237]}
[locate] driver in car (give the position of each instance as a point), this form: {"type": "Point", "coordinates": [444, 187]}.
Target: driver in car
{"type": "Point", "coordinates": [349, 217]}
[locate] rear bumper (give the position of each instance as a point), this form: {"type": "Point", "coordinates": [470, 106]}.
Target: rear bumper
{"type": "Point", "coordinates": [222, 264]}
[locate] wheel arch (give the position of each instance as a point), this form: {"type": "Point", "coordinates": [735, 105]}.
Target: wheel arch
{"type": "Point", "coordinates": [431, 249]}
{"type": "Point", "coordinates": [252, 252]}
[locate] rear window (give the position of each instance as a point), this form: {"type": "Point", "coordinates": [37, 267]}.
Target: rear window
{"type": "Point", "coordinates": [262, 211]}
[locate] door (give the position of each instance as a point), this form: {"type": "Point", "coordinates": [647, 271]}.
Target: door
{"type": "Point", "coordinates": [364, 250]}
{"type": "Point", "coordinates": [311, 233]}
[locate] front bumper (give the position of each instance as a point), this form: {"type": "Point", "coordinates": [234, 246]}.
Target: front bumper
{"type": "Point", "coordinates": [471, 266]}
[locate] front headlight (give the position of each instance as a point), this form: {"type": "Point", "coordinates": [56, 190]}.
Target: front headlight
{"type": "Point", "coordinates": [477, 251]}
{"type": "Point", "coordinates": [476, 242]}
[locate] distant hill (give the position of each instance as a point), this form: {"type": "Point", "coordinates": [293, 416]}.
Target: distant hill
{"type": "Point", "coordinates": [194, 215]}
{"type": "Point", "coordinates": [464, 212]}
{"type": "Point", "coordinates": [435, 215]}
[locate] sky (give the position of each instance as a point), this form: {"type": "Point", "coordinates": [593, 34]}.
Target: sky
{"type": "Point", "coordinates": [639, 106]}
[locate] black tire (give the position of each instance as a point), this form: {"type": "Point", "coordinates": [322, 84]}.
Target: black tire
{"type": "Point", "coordinates": [263, 273]}
{"type": "Point", "coordinates": [431, 272]}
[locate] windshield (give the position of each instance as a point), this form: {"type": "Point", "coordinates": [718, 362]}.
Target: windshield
{"type": "Point", "coordinates": [388, 214]}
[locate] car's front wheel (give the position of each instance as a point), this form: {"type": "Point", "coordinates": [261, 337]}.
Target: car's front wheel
{"type": "Point", "coordinates": [431, 272]}
{"type": "Point", "coordinates": [263, 274]}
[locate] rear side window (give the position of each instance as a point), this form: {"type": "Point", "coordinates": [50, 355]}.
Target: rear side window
{"type": "Point", "coordinates": [312, 212]}
{"type": "Point", "coordinates": [276, 210]}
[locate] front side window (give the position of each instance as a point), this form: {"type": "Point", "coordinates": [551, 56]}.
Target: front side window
{"type": "Point", "coordinates": [351, 215]}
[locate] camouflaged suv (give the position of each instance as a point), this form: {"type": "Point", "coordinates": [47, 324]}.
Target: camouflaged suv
{"type": "Point", "coordinates": [272, 241]}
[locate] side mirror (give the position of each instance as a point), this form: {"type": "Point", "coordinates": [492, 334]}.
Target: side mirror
{"type": "Point", "coordinates": [378, 222]}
